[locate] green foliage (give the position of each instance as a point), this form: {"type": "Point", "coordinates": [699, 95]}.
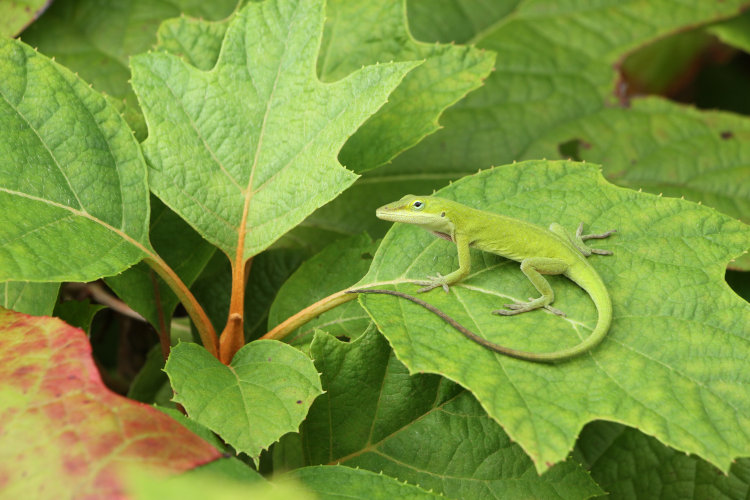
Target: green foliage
{"type": "Point", "coordinates": [95, 38]}
{"type": "Point", "coordinates": [629, 464]}
{"type": "Point", "coordinates": [339, 265]}
{"type": "Point", "coordinates": [386, 420]}
{"type": "Point", "coordinates": [271, 132]}
{"type": "Point", "coordinates": [140, 286]}
{"type": "Point", "coordinates": [334, 482]}
{"type": "Point", "coordinates": [682, 248]}
{"type": "Point", "coordinates": [16, 15]}
{"type": "Point", "coordinates": [266, 390]}
{"type": "Point", "coordinates": [71, 166]}
{"type": "Point", "coordinates": [246, 151]}
{"type": "Point", "coordinates": [78, 313]}
{"type": "Point", "coordinates": [554, 84]}
{"type": "Point", "coordinates": [37, 299]}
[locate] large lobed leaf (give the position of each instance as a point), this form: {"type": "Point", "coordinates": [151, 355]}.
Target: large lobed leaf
{"type": "Point", "coordinates": [628, 464]}
{"type": "Point", "coordinates": [247, 150]}
{"type": "Point", "coordinates": [62, 433]}
{"type": "Point", "coordinates": [95, 38]}
{"type": "Point", "coordinates": [261, 395]}
{"type": "Point", "coordinates": [556, 82]}
{"type": "Point", "coordinates": [367, 32]}
{"type": "Point", "coordinates": [73, 190]}
{"type": "Point", "coordinates": [421, 429]}
{"type": "Point", "coordinates": [549, 75]}
{"type": "Point", "coordinates": [358, 33]}
{"type": "Point", "coordinates": [334, 482]}
{"type": "Point", "coordinates": [673, 362]}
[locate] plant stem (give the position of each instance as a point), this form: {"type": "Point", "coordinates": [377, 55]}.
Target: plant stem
{"type": "Point", "coordinates": [293, 322]}
{"type": "Point", "coordinates": [233, 337]}
{"type": "Point", "coordinates": [193, 308]}
{"type": "Point", "coordinates": [325, 304]}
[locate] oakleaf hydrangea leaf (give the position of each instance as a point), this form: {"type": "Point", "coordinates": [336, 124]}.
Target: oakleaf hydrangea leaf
{"type": "Point", "coordinates": [628, 464]}
{"type": "Point", "coordinates": [73, 190]}
{"type": "Point", "coordinates": [365, 32]}
{"type": "Point", "coordinates": [421, 429]}
{"type": "Point", "coordinates": [554, 85]}
{"type": "Point", "coordinates": [333, 481]}
{"type": "Point", "coordinates": [37, 299]}
{"type": "Point", "coordinates": [213, 483]}
{"type": "Point", "coordinates": [665, 142]}
{"type": "Point", "coordinates": [267, 390]}
{"type": "Point", "coordinates": [247, 150]}
{"type": "Point", "coordinates": [95, 38]}
{"type": "Point", "coordinates": [63, 434]}
{"type": "Point", "coordinates": [358, 33]}
{"type": "Point", "coordinates": [734, 31]}
{"type": "Point", "coordinates": [16, 15]}
{"type": "Point", "coordinates": [673, 363]}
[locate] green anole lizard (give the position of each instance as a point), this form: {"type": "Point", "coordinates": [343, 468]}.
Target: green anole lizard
{"type": "Point", "coordinates": [540, 251]}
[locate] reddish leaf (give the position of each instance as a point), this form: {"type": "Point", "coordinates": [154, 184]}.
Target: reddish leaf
{"type": "Point", "coordinates": [62, 433]}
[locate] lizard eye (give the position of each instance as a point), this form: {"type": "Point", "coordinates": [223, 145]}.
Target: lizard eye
{"type": "Point", "coordinates": [417, 205]}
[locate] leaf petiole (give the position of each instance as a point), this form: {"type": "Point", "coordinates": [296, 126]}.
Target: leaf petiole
{"type": "Point", "coordinates": [323, 305]}
{"type": "Point", "coordinates": [193, 308]}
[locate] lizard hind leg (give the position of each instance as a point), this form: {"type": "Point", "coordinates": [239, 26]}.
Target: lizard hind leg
{"type": "Point", "coordinates": [579, 238]}
{"type": "Point", "coordinates": [534, 268]}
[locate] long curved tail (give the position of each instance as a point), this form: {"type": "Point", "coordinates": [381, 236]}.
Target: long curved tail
{"type": "Point", "coordinates": [589, 281]}
{"type": "Point", "coordinates": [594, 286]}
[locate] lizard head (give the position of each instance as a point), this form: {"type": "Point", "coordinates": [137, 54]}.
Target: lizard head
{"type": "Point", "coordinates": [428, 212]}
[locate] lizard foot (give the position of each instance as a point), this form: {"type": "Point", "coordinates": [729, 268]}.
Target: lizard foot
{"type": "Point", "coordinates": [432, 282]}
{"type": "Point", "coordinates": [583, 237]}
{"type": "Point", "coordinates": [601, 236]}
{"type": "Point", "coordinates": [522, 307]}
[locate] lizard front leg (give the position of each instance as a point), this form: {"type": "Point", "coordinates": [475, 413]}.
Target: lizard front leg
{"type": "Point", "coordinates": [533, 268]}
{"type": "Point", "coordinates": [464, 267]}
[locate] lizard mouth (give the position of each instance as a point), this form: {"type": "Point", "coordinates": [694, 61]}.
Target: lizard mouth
{"type": "Point", "coordinates": [384, 214]}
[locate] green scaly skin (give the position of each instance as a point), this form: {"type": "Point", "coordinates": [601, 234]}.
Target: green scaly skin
{"type": "Point", "coordinates": [540, 251]}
